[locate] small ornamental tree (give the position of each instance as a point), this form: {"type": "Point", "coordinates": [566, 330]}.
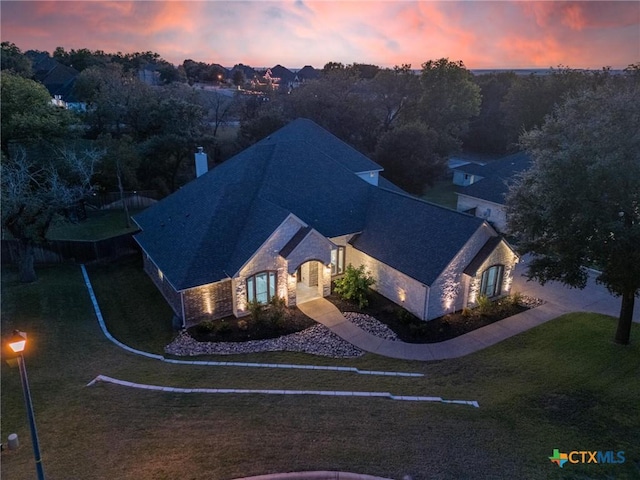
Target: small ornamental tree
{"type": "Point", "coordinates": [354, 285]}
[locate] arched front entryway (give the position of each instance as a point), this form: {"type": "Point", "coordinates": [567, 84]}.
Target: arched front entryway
{"type": "Point", "coordinates": [309, 281]}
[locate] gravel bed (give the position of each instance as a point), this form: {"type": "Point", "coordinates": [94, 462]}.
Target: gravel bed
{"type": "Point", "coordinates": [530, 302]}
{"type": "Point", "coordinates": [371, 325]}
{"type": "Point", "coordinates": [316, 340]}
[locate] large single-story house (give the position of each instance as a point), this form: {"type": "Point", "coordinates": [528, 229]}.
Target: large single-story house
{"type": "Point", "coordinates": [287, 215]}
{"type": "Point", "coordinates": [482, 187]}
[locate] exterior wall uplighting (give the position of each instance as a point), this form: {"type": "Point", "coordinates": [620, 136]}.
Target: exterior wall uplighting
{"type": "Point", "coordinates": [17, 344]}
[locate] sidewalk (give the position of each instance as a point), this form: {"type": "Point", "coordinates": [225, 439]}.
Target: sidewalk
{"type": "Point", "coordinates": [324, 312]}
{"type": "Point", "coordinates": [559, 300]}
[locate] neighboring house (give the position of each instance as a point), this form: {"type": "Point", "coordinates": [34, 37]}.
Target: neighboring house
{"type": "Point", "coordinates": [482, 188]}
{"type": "Point", "coordinates": [58, 79]}
{"type": "Point", "coordinates": [287, 215]}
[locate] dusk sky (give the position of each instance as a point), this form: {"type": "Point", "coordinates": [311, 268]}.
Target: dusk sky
{"type": "Point", "coordinates": [483, 34]}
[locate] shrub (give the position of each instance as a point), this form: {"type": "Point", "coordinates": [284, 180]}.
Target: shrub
{"type": "Point", "coordinates": [207, 326]}
{"type": "Point", "coordinates": [354, 285]}
{"type": "Point", "coordinates": [418, 330]}
{"type": "Point", "coordinates": [467, 312]}
{"type": "Point", "coordinates": [403, 316]}
{"type": "Point", "coordinates": [276, 311]}
{"type": "Point", "coordinates": [243, 325]}
{"type": "Point", "coordinates": [484, 305]}
{"type": "Point", "coordinates": [515, 298]}
{"type": "Point", "coordinates": [256, 309]}
{"type": "Point", "coordinates": [224, 328]}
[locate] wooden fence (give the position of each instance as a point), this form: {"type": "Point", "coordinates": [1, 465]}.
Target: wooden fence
{"type": "Point", "coordinates": [74, 251]}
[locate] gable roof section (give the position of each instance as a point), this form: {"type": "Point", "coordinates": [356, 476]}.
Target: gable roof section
{"type": "Point", "coordinates": [482, 255]}
{"type": "Point", "coordinates": [413, 236]}
{"type": "Point", "coordinates": [494, 186]}
{"type": "Point", "coordinates": [295, 241]}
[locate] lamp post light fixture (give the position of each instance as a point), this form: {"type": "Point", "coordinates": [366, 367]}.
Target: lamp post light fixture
{"type": "Point", "coordinates": [17, 343]}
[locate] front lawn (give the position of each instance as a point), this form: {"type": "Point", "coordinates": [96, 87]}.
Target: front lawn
{"type": "Point", "coordinates": [562, 385]}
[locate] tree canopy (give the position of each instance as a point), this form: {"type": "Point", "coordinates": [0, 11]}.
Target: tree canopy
{"type": "Point", "coordinates": [579, 205]}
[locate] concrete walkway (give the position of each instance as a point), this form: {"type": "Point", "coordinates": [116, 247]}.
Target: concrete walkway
{"type": "Point", "coordinates": [559, 300]}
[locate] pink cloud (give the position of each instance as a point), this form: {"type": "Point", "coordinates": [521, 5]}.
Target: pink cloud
{"type": "Point", "coordinates": [482, 34]}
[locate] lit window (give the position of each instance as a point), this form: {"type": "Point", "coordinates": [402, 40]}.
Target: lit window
{"type": "Point", "coordinates": [261, 287]}
{"type": "Point", "coordinates": [491, 283]}
{"type": "Point", "coordinates": [337, 261]}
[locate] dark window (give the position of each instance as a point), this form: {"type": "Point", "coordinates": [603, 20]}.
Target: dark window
{"type": "Point", "coordinates": [491, 284]}
{"type": "Point", "coordinates": [337, 261]}
{"type": "Point", "coordinates": [261, 287]}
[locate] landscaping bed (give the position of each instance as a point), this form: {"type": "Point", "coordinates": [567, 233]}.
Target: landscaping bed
{"type": "Point", "coordinates": [231, 329]}
{"type": "Point", "coordinates": [411, 329]}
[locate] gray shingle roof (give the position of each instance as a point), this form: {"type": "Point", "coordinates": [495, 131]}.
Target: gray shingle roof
{"type": "Point", "coordinates": [317, 138]}
{"type": "Point", "coordinates": [207, 230]}
{"type": "Point", "coordinates": [496, 176]}
{"type": "Point", "coordinates": [413, 236]}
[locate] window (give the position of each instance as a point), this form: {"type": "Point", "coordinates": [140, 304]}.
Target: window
{"type": "Point", "coordinates": [261, 287]}
{"type": "Point", "coordinates": [491, 284]}
{"type": "Point", "coordinates": [337, 261]}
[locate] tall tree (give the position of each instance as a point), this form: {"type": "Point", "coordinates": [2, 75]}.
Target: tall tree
{"type": "Point", "coordinates": [395, 92]}
{"type": "Point", "coordinates": [408, 155]}
{"type": "Point", "coordinates": [338, 101]}
{"type": "Point", "coordinates": [449, 99]}
{"type": "Point", "coordinates": [36, 191]}
{"type": "Point", "coordinates": [28, 116]}
{"type": "Point", "coordinates": [579, 205]}
{"type": "Point", "coordinates": [489, 131]}
{"type": "Point", "coordinates": [14, 60]}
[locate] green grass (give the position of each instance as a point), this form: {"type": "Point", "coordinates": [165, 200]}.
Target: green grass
{"type": "Point", "coordinates": [562, 385]}
{"type": "Point", "coordinates": [100, 224]}
{"type": "Point", "coordinates": [442, 193]}
{"type": "Point", "coordinates": [136, 311]}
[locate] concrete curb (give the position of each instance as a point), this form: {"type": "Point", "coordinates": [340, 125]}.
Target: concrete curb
{"type": "Point", "coordinates": [329, 393]}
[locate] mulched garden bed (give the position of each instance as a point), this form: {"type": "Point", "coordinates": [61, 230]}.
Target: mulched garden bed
{"type": "Point", "coordinates": [411, 329]}
{"type": "Point", "coordinates": [231, 329]}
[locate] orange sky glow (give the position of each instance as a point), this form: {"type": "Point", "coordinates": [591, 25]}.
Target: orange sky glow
{"type": "Point", "coordinates": [260, 33]}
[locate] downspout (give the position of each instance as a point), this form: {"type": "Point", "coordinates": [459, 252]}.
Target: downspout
{"type": "Point", "coordinates": [184, 320]}
{"type": "Point", "coordinates": [427, 294]}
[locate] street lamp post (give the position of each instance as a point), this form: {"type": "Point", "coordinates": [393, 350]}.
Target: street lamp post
{"type": "Point", "coordinates": [17, 344]}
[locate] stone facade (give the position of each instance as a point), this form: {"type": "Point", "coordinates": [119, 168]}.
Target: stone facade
{"type": "Point", "coordinates": [501, 255]}
{"type": "Point", "coordinates": [211, 301]}
{"type": "Point", "coordinates": [313, 247]}
{"type": "Point", "coordinates": [449, 290]}
{"type": "Point", "coordinates": [267, 258]}
{"type": "Point", "coordinates": [172, 297]}
{"type": "Point", "coordinates": [394, 285]}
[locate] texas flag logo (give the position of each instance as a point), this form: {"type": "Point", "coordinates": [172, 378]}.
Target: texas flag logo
{"type": "Point", "coordinates": [559, 458]}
